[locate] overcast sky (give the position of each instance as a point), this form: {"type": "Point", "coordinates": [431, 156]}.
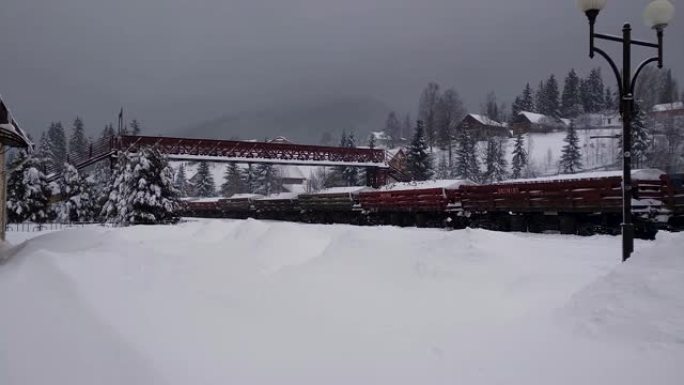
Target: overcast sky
{"type": "Point", "coordinates": [171, 63]}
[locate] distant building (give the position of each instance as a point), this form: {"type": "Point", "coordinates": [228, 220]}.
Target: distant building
{"type": "Point", "coordinates": [665, 111]}
{"type": "Point", "coordinates": [527, 121]}
{"type": "Point", "coordinates": [382, 140]}
{"type": "Point", "coordinates": [598, 121]}
{"type": "Point", "coordinates": [483, 127]}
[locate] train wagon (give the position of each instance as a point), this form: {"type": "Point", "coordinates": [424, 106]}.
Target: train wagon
{"type": "Point", "coordinates": [332, 205]}
{"type": "Point", "coordinates": [201, 207]}
{"type": "Point", "coordinates": [586, 203]}
{"type": "Point", "coordinates": [422, 204]}
{"type": "Point", "coordinates": [283, 206]}
{"type": "Point", "coordinates": [238, 206]}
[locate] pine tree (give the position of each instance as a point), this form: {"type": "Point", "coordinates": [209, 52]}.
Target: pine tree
{"type": "Point", "coordinates": [350, 175]}
{"type": "Point", "coordinates": [467, 164]}
{"type": "Point", "coordinates": [540, 104]}
{"type": "Point", "coordinates": [77, 202]}
{"type": "Point", "coordinates": [181, 182]}
{"type": "Point", "coordinates": [427, 111]}
{"type": "Point", "coordinates": [108, 131]}
{"type": "Point", "coordinates": [266, 179]}
{"type": "Point", "coordinates": [78, 144]}
{"type": "Point", "coordinates": [609, 102]}
{"type": "Point", "coordinates": [450, 112]}
{"type": "Point", "coordinates": [551, 106]}
{"type": "Point", "coordinates": [57, 145]}
{"type": "Point", "coordinates": [595, 96]}
{"type": "Point", "coordinates": [44, 153]}
{"type": "Point", "coordinates": [27, 190]}
{"type": "Point", "coordinates": [527, 99]}
{"type": "Point", "coordinates": [669, 91]}
{"type": "Point", "coordinates": [135, 127]}
{"type": "Point", "coordinates": [571, 158]}
{"type": "Point", "coordinates": [204, 181]}
{"type": "Point", "coordinates": [392, 129]}
{"type": "Point", "coordinates": [520, 158]}
{"type": "Point", "coordinates": [249, 179]}
{"type": "Point", "coordinates": [142, 190]}
{"type": "Point", "coordinates": [570, 101]}
{"type": "Point", "coordinates": [516, 106]}
{"type": "Point", "coordinates": [233, 182]}
{"type": "Point", "coordinates": [640, 139]}
{"type": "Point", "coordinates": [418, 162]}
{"type": "Point", "coordinates": [443, 171]}
{"type": "Point", "coordinates": [491, 108]}
{"type": "Point", "coordinates": [371, 141]}
{"type": "Point", "coordinates": [495, 162]}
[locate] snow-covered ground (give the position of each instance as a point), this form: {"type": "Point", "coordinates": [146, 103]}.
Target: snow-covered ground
{"type": "Point", "coordinates": [255, 302]}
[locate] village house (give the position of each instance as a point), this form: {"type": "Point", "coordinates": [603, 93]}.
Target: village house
{"type": "Point", "coordinates": [483, 127]}
{"type": "Point", "coordinates": [526, 122]}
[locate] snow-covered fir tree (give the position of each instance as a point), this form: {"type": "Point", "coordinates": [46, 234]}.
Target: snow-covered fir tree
{"type": "Point", "coordinates": [392, 129]}
{"type": "Point", "coordinates": [76, 200]}
{"type": "Point", "coordinates": [266, 179]}
{"type": "Point", "coordinates": [527, 99]}
{"type": "Point", "coordinates": [181, 183]}
{"type": "Point", "coordinates": [233, 182]}
{"type": "Point", "coordinates": [57, 145]}
{"type": "Point", "coordinates": [78, 144]}
{"type": "Point", "coordinates": [571, 157]}
{"type": "Point", "coordinates": [142, 190]}
{"type": "Point", "coordinates": [418, 161]}
{"type": "Point", "coordinates": [204, 185]}
{"type": "Point", "coordinates": [443, 171]}
{"type": "Point", "coordinates": [520, 158]}
{"type": "Point", "coordinates": [571, 104]}
{"type": "Point", "coordinates": [249, 178]}
{"type": "Point", "coordinates": [467, 165]}
{"type": "Point", "coordinates": [495, 161]}
{"type": "Point", "coordinates": [371, 142]}
{"type": "Point", "coordinates": [640, 139]}
{"type": "Point", "coordinates": [27, 190]}
{"type": "Point", "coordinates": [350, 175]}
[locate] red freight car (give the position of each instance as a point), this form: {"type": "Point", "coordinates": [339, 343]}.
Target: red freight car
{"type": "Point", "coordinates": [411, 203]}
{"type": "Point", "coordinates": [584, 203]}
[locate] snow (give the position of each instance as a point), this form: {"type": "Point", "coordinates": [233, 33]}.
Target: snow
{"type": "Point", "coordinates": [487, 121]}
{"type": "Point", "coordinates": [343, 190]}
{"type": "Point", "coordinates": [280, 196]}
{"type": "Point", "coordinates": [246, 196]}
{"type": "Point", "coordinates": [257, 302]}
{"type": "Point", "coordinates": [645, 174]}
{"type": "Point", "coordinates": [428, 184]}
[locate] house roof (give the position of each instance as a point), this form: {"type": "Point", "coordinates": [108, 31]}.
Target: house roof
{"type": "Point", "coordinates": [668, 107]}
{"type": "Point", "coordinates": [486, 120]}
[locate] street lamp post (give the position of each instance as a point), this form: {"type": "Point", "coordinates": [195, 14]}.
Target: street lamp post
{"type": "Point", "coordinates": [657, 16]}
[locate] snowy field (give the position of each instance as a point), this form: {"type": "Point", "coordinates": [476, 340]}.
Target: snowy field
{"type": "Point", "coordinates": [254, 302]}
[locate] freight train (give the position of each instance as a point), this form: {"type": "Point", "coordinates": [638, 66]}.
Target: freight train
{"type": "Point", "coordinates": [582, 204]}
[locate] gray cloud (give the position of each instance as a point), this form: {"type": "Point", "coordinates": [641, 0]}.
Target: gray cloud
{"type": "Point", "coordinates": [175, 62]}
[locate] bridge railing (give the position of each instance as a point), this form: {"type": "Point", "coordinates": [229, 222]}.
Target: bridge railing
{"type": "Point", "coordinates": [255, 150]}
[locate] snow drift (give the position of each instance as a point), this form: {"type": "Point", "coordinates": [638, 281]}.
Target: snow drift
{"type": "Point", "coordinates": [254, 302]}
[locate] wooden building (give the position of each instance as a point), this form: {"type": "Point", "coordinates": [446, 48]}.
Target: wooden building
{"type": "Point", "coordinates": [526, 122]}
{"type": "Point", "coordinates": [483, 127]}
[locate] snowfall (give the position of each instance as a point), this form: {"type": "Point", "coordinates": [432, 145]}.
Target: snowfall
{"type": "Point", "coordinates": [258, 302]}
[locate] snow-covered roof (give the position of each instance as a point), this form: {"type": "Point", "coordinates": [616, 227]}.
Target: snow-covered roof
{"type": "Point", "coordinates": [487, 121]}
{"type": "Point", "coordinates": [644, 174]}
{"type": "Point", "coordinates": [439, 183]}
{"type": "Point", "coordinates": [10, 132]}
{"type": "Point", "coordinates": [343, 190]}
{"type": "Point", "coordinates": [668, 107]}
{"type": "Point", "coordinates": [379, 135]}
